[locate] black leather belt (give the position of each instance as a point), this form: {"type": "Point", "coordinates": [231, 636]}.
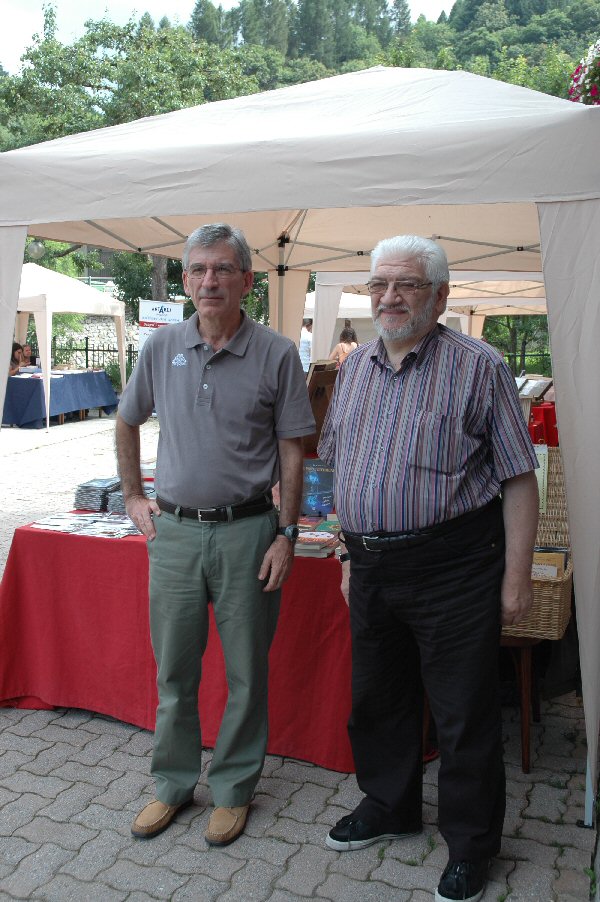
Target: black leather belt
{"type": "Point", "coordinates": [219, 514]}
{"type": "Point", "coordinates": [396, 540]}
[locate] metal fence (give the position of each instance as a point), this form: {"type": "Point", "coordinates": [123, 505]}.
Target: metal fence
{"type": "Point", "coordinates": [84, 355]}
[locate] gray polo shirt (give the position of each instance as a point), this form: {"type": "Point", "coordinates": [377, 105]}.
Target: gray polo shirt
{"type": "Point", "coordinates": [221, 413]}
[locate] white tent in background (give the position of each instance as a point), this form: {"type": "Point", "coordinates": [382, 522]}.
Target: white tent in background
{"type": "Point", "coordinates": [43, 293]}
{"type": "Point", "coordinates": [316, 174]}
{"type": "Point", "coordinates": [473, 296]}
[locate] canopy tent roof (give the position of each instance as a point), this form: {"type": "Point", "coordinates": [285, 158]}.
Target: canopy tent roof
{"type": "Point", "coordinates": [44, 292]}
{"type": "Point", "coordinates": [316, 174]}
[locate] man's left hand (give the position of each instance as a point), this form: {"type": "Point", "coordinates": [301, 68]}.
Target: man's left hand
{"type": "Point", "coordinates": [277, 564]}
{"type": "Point", "coordinates": [516, 598]}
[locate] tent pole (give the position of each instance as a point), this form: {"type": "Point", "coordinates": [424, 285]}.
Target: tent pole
{"type": "Point", "coordinates": [281, 268]}
{"type": "Point", "coordinates": [588, 820]}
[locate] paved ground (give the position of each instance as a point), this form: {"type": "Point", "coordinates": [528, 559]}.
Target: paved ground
{"type": "Point", "coordinates": [71, 781]}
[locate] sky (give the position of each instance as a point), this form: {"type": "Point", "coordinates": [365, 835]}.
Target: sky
{"type": "Point", "coordinates": [21, 19]}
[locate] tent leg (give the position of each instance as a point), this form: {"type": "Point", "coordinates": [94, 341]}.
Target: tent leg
{"type": "Point", "coordinates": [280, 285]}
{"type": "Point", "coordinates": [590, 798]}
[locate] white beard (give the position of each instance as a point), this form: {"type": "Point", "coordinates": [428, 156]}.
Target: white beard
{"type": "Point", "coordinates": [410, 329]}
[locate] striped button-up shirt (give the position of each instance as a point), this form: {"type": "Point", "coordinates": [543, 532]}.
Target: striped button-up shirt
{"type": "Point", "coordinates": [427, 443]}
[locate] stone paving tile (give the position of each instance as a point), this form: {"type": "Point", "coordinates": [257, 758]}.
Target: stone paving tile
{"type": "Point", "coordinates": [27, 745]}
{"type": "Point", "coordinates": [35, 870]}
{"type": "Point", "coordinates": [546, 803]}
{"type": "Point", "coordinates": [99, 748]}
{"type": "Point", "coordinates": [49, 787]}
{"type": "Point", "coordinates": [97, 817]}
{"type": "Point", "coordinates": [216, 863]}
{"type": "Point", "coordinates": [272, 850]}
{"type": "Point", "coordinates": [122, 790]}
{"type": "Point", "coordinates": [274, 786]}
{"type": "Point", "coordinates": [13, 849]}
{"type": "Point", "coordinates": [19, 811]}
{"type": "Point", "coordinates": [305, 871]}
{"type": "Point", "coordinates": [159, 882]}
{"type": "Point", "coordinates": [253, 883]}
{"type": "Point", "coordinates": [36, 721]}
{"type": "Point", "coordinates": [403, 876]}
{"type": "Point", "coordinates": [300, 772]}
{"type": "Point", "coordinates": [68, 836]}
{"type": "Point", "coordinates": [528, 850]}
{"type": "Point", "coordinates": [64, 888]}
{"type": "Point", "coordinates": [12, 761]}
{"type": "Point", "coordinates": [295, 832]}
{"type": "Point", "coordinates": [108, 725]}
{"type": "Point", "coordinates": [197, 889]}
{"type": "Point", "coordinates": [530, 883]}
{"type": "Point", "coordinates": [307, 803]}
{"type": "Point", "coordinates": [96, 855]}
{"type": "Point", "coordinates": [572, 882]}
{"type": "Point", "coordinates": [49, 759]}
{"type": "Point", "coordinates": [84, 773]}
{"type": "Point", "coordinates": [53, 732]}
{"type": "Point", "coordinates": [559, 834]}
{"type": "Point", "coordinates": [140, 743]}
{"type": "Point", "coordinates": [338, 887]}
{"type": "Point", "coordinates": [71, 802]}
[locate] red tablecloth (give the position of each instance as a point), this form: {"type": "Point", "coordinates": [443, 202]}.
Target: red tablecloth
{"type": "Point", "coordinates": [74, 633]}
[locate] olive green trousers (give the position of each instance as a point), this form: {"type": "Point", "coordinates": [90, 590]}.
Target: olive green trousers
{"type": "Point", "coordinates": [193, 564]}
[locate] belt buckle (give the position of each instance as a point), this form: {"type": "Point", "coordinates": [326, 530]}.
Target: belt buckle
{"type": "Point", "coordinates": [366, 539]}
{"type": "Point", "coordinates": [207, 510]}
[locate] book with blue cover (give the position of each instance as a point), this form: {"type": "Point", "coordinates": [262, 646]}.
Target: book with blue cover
{"type": "Point", "coordinates": [317, 491]}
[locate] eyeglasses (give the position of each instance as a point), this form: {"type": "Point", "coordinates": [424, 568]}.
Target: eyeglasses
{"type": "Point", "coordinates": [377, 287]}
{"type": "Point", "coordinates": [222, 272]}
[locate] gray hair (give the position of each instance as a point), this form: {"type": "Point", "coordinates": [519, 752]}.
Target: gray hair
{"type": "Point", "coordinates": [217, 232]}
{"type": "Point", "coordinates": [427, 252]}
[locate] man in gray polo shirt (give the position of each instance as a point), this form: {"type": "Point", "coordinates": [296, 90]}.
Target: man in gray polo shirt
{"type": "Point", "coordinates": [231, 400]}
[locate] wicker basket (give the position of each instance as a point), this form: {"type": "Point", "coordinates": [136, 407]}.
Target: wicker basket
{"type": "Point", "coordinates": [551, 609]}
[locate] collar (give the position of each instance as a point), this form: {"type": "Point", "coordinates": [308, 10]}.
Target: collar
{"type": "Point", "coordinates": [418, 354]}
{"type": "Point", "coordinates": [237, 344]}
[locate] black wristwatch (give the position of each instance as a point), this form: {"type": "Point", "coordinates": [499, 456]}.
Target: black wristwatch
{"type": "Point", "coordinates": [290, 532]}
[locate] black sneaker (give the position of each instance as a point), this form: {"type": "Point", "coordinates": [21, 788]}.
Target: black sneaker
{"type": "Point", "coordinates": [350, 833]}
{"type": "Point", "coordinates": [462, 880]}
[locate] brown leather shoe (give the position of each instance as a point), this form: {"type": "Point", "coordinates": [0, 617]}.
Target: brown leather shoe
{"type": "Point", "coordinates": [225, 825]}
{"type": "Point", "coordinates": [155, 818]}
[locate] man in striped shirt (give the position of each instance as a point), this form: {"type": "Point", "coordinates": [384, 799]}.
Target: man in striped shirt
{"type": "Point", "coordinates": [437, 499]}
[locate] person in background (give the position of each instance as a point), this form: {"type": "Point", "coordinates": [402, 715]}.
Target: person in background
{"type": "Point", "coordinates": [305, 346]}
{"type": "Point", "coordinates": [16, 359]}
{"type": "Point", "coordinates": [347, 343]}
{"type": "Point", "coordinates": [233, 406]}
{"type": "Point", "coordinates": [437, 499]}
{"type": "Point", "coordinates": [27, 361]}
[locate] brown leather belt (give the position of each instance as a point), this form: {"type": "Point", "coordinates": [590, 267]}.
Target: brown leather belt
{"type": "Point", "coordinates": [219, 514]}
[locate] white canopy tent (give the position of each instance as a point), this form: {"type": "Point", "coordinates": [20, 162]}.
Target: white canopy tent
{"type": "Point", "coordinates": [473, 296]}
{"type": "Point", "coordinates": [43, 293]}
{"type": "Point", "coordinates": [316, 174]}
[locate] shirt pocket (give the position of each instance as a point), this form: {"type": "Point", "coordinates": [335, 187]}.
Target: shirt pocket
{"type": "Point", "coordinates": [437, 443]}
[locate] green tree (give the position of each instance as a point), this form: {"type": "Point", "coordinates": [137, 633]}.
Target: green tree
{"type": "Point", "coordinates": [400, 17]}
{"type": "Point", "coordinates": [206, 23]}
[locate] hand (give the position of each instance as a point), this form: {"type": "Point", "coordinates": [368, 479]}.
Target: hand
{"type": "Point", "coordinates": [142, 510]}
{"type": "Point", "coordinates": [345, 584]}
{"type": "Point", "coordinates": [516, 597]}
{"type": "Point", "coordinates": [277, 563]}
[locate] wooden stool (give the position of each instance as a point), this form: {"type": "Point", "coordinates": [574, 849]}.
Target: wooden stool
{"type": "Point", "coordinates": [521, 652]}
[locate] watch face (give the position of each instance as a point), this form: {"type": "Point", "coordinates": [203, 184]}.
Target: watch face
{"type": "Point", "coordinates": [291, 532]}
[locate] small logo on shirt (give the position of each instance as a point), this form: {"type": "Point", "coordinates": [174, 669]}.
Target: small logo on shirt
{"type": "Point", "coordinates": [179, 360]}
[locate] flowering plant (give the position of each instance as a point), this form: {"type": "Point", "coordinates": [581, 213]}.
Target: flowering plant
{"type": "Point", "coordinates": [585, 80]}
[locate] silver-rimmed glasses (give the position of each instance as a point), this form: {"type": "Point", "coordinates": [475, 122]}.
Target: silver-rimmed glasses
{"type": "Point", "coordinates": [401, 288]}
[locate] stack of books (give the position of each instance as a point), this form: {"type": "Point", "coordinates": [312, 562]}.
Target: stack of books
{"type": "Point", "coordinates": [93, 495]}
{"type": "Point", "coordinates": [318, 537]}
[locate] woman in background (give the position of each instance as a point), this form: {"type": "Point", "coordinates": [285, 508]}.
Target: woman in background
{"type": "Point", "coordinates": [16, 359]}
{"type": "Point", "coordinates": [348, 342]}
